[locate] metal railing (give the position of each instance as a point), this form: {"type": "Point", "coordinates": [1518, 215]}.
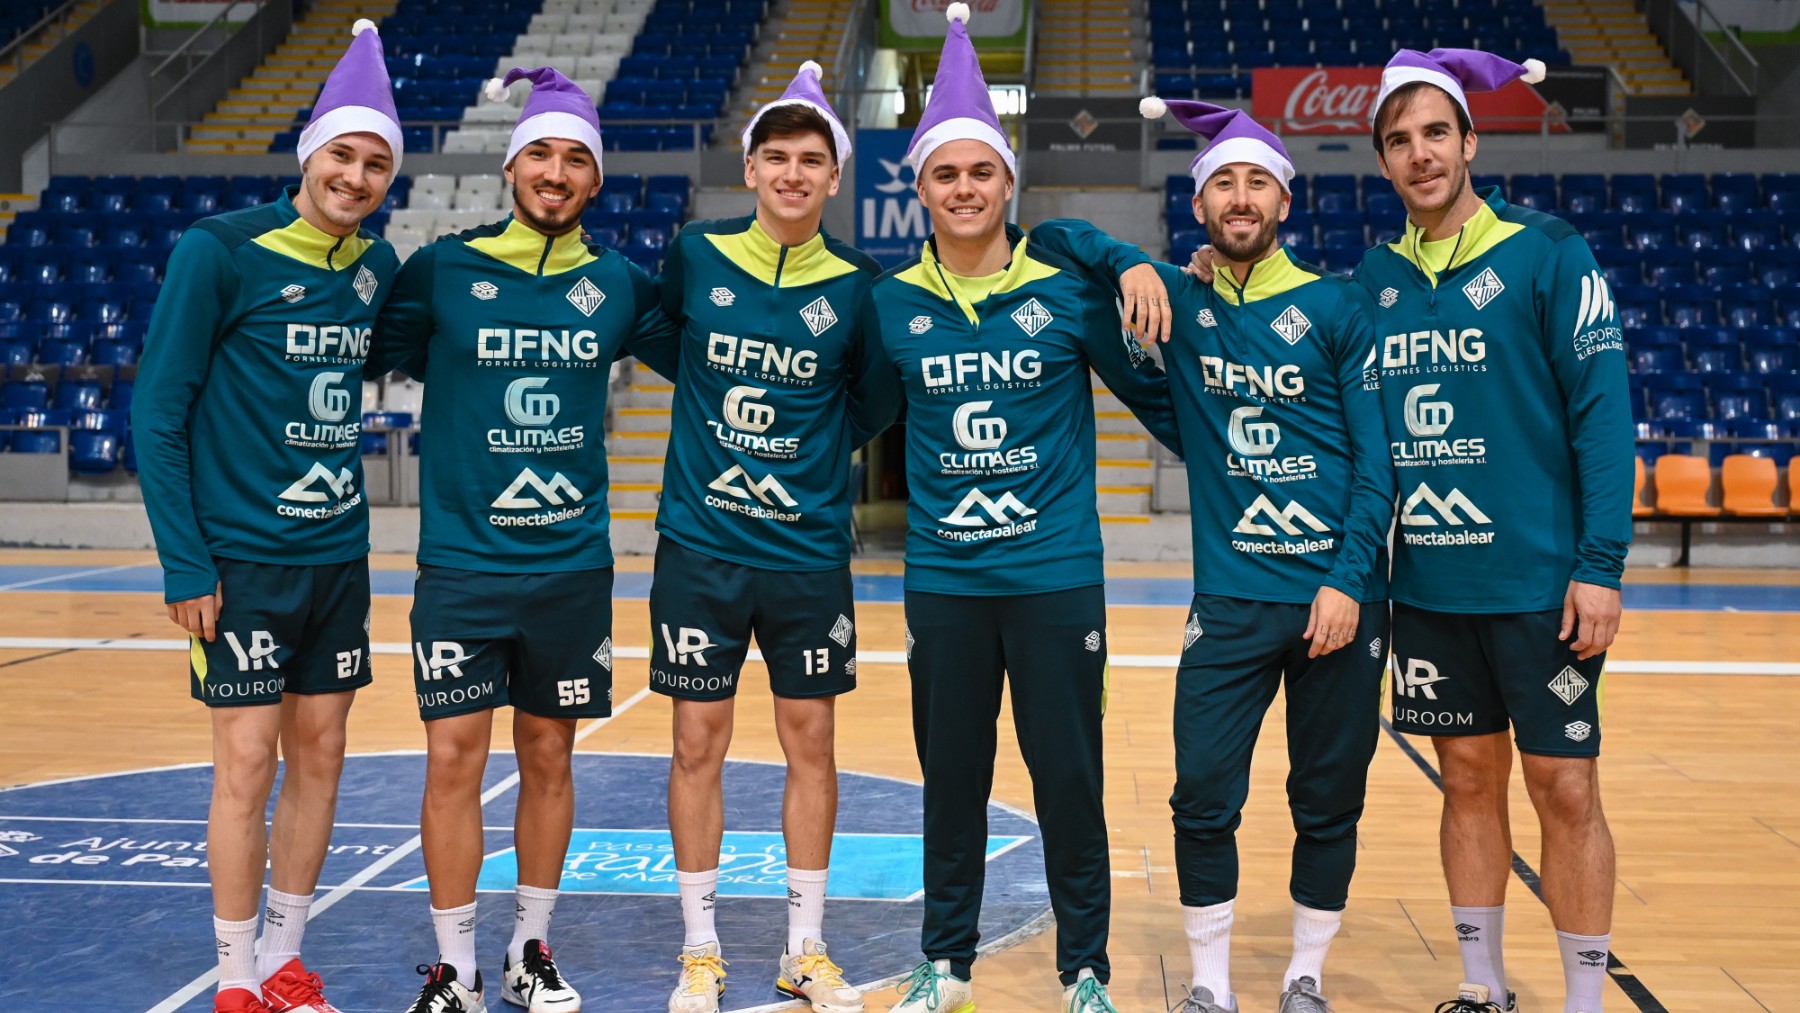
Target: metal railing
{"type": "Point", "coordinates": [188, 54]}
{"type": "Point", "coordinates": [13, 53]}
{"type": "Point", "coordinates": [1683, 34]}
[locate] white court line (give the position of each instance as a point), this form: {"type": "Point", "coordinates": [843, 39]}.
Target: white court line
{"type": "Point", "coordinates": [382, 864]}
{"type": "Point", "coordinates": [1169, 661]}
{"type": "Point", "coordinates": [53, 578]}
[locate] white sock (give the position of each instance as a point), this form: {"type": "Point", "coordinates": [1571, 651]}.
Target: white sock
{"type": "Point", "coordinates": [456, 940]}
{"type": "Point", "coordinates": [284, 923]}
{"type": "Point", "coordinates": [1584, 970]}
{"type": "Point", "coordinates": [532, 907]}
{"type": "Point", "coordinates": [698, 891]}
{"type": "Point", "coordinates": [1478, 935]}
{"type": "Point", "coordinates": [237, 954]}
{"type": "Point", "coordinates": [806, 907]}
{"type": "Point", "coordinates": [1313, 931]}
{"type": "Point", "coordinates": [1209, 944]}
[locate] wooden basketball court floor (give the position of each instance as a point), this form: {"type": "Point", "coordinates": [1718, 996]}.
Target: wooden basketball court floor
{"type": "Point", "coordinates": [1701, 771]}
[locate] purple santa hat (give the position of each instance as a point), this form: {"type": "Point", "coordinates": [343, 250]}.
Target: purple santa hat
{"type": "Point", "coordinates": [1456, 71]}
{"type": "Point", "coordinates": [556, 107]}
{"type": "Point", "coordinates": [959, 108]}
{"type": "Point", "coordinates": [806, 90]}
{"type": "Point", "coordinates": [1232, 136]}
{"type": "Point", "coordinates": [357, 98]}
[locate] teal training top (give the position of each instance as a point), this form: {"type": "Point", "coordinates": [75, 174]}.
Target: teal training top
{"type": "Point", "coordinates": [514, 334]}
{"type": "Point", "coordinates": [1503, 376]}
{"type": "Point", "coordinates": [758, 464]}
{"type": "Point", "coordinates": [247, 418]}
{"type": "Point", "coordinates": [1000, 418]}
{"type": "Point", "coordinates": [1287, 458]}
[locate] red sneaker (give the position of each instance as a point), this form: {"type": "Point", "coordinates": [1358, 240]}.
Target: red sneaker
{"type": "Point", "coordinates": [239, 1000]}
{"type": "Point", "coordinates": [294, 989]}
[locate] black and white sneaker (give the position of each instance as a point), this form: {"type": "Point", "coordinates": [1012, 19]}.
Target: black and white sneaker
{"type": "Point", "coordinates": [1472, 998]}
{"type": "Point", "coordinates": [444, 994]}
{"type": "Point", "coordinates": [536, 984]}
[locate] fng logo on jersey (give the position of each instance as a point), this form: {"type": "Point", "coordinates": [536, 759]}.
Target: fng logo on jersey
{"type": "Point", "coordinates": [1427, 418]}
{"type": "Point", "coordinates": [1417, 680]}
{"type": "Point", "coordinates": [326, 402]}
{"type": "Point", "coordinates": [985, 369]}
{"type": "Point", "coordinates": [528, 405]}
{"type": "Point", "coordinates": [1266, 382]}
{"type": "Point", "coordinates": [1445, 511]}
{"type": "Point", "coordinates": [328, 341]}
{"type": "Point", "coordinates": [687, 647]}
{"type": "Point", "coordinates": [744, 410]}
{"type": "Point", "coordinates": [742, 355]}
{"type": "Point", "coordinates": [446, 657]}
{"type": "Point", "coordinates": [261, 651]}
{"type": "Point", "coordinates": [557, 491]}
{"type": "Point", "coordinates": [524, 343]}
{"type": "Point", "coordinates": [1435, 351]}
{"type": "Point", "coordinates": [978, 432]}
{"type": "Point", "coordinates": [1252, 439]}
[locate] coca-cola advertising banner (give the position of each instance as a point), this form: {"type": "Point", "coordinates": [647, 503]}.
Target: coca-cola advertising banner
{"type": "Point", "coordinates": [1340, 100]}
{"type": "Point", "coordinates": [920, 24]}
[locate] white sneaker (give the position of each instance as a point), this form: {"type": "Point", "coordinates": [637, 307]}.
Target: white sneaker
{"type": "Point", "coordinates": [1087, 995]}
{"type": "Point", "coordinates": [702, 980]}
{"type": "Point", "coordinates": [442, 993]}
{"type": "Point", "coordinates": [1473, 998]}
{"type": "Point", "coordinates": [536, 984]}
{"type": "Point", "coordinates": [814, 978]}
{"type": "Point", "coordinates": [931, 988]}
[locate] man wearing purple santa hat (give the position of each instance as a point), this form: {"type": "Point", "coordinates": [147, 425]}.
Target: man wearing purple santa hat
{"type": "Point", "coordinates": [513, 327]}
{"type": "Point", "coordinates": [1267, 367]}
{"type": "Point", "coordinates": [264, 540]}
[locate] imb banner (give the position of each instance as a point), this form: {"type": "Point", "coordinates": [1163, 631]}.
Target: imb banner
{"type": "Point", "coordinates": [1340, 100]}
{"type": "Point", "coordinates": [891, 224]}
{"type": "Point", "coordinates": [919, 24]}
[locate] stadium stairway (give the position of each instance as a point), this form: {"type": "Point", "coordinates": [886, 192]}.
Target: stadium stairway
{"type": "Point", "coordinates": [48, 39]}
{"type": "Point", "coordinates": [637, 445]}
{"type": "Point", "coordinates": [263, 104]}
{"type": "Point", "coordinates": [794, 32]}
{"type": "Point", "coordinates": [1614, 33]}
{"type": "Point", "coordinates": [1090, 47]}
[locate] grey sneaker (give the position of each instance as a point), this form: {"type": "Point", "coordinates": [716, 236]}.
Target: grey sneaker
{"type": "Point", "coordinates": [1200, 1000]}
{"type": "Point", "coordinates": [1302, 996]}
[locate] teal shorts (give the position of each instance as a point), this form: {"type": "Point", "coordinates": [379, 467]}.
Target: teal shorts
{"type": "Point", "coordinates": [541, 642]}
{"type": "Point", "coordinates": [284, 629]}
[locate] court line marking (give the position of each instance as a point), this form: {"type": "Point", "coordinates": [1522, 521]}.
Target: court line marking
{"type": "Point", "coordinates": [1621, 667]}
{"type": "Point", "coordinates": [53, 578]}
{"type": "Point", "coordinates": [193, 988]}
{"type": "Point", "coordinates": [1629, 983]}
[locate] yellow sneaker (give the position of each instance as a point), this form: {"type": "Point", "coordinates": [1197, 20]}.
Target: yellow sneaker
{"type": "Point", "coordinates": [814, 978]}
{"type": "Point", "coordinates": [702, 980]}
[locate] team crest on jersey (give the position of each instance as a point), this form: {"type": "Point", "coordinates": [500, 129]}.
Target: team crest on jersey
{"type": "Point", "coordinates": [1032, 317]}
{"type": "Point", "coordinates": [920, 325]}
{"type": "Point", "coordinates": [722, 296]}
{"type": "Point", "coordinates": [819, 316]}
{"type": "Point", "coordinates": [1292, 325]}
{"type": "Point", "coordinates": [909, 643]}
{"type": "Point", "coordinates": [293, 293]}
{"type": "Point", "coordinates": [364, 284]}
{"type": "Point", "coordinates": [1389, 296]}
{"type": "Point", "coordinates": [1205, 318]}
{"type": "Point", "coordinates": [484, 290]}
{"type": "Point", "coordinates": [842, 629]}
{"type": "Point", "coordinates": [585, 297]}
{"type": "Point", "coordinates": [1193, 631]}
{"type": "Point", "coordinates": [1484, 288]}
{"type": "Point", "coordinates": [603, 654]}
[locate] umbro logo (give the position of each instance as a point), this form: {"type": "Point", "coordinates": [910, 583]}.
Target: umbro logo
{"type": "Point", "coordinates": [819, 316]}
{"type": "Point", "coordinates": [1593, 958]}
{"type": "Point", "coordinates": [722, 296]}
{"type": "Point", "coordinates": [1389, 296]}
{"type": "Point", "coordinates": [1568, 686]}
{"type": "Point", "coordinates": [1205, 318]}
{"type": "Point", "coordinates": [585, 297]}
{"type": "Point", "coordinates": [920, 325]}
{"type": "Point", "coordinates": [1032, 317]}
{"type": "Point", "coordinates": [1292, 325]}
{"type": "Point", "coordinates": [1464, 930]}
{"type": "Point", "coordinates": [1375, 648]}
{"type": "Point", "coordinates": [1484, 288]}
{"type": "Point", "coordinates": [1092, 642]}
{"type": "Point", "coordinates": [484, 290]}
{"type": "Point", "coordinates": [1578, 731]}
{"type": "Point", "coordinates": [364, 284]}
{"type": "Point", "coordinates": [293, 293]}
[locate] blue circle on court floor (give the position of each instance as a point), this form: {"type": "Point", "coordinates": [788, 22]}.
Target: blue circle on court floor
{"type": "Point", "coordinates": [108, 874]}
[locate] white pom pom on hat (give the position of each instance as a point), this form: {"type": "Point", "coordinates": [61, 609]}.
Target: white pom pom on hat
{"type": "Point", "coordinates": [1534, 71]}
{"type": "Point", "coordinates": [1152, 108]}
{"type": "Point", "coordinates": [958, 11]}
{"type": "Point", "coordinates": [812, 65]}
{"type": "Point", "coordinates": [363, 25]}
{"type": "Point", "coordinates": [495, 89]}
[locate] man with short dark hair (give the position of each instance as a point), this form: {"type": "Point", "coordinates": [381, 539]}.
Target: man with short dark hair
{"type": "Point", "coordinates": [514, 327]}
{"type": "Point", "coordinates": [246, 422]}
{"type": "Point", "coordinates": [755, 523]}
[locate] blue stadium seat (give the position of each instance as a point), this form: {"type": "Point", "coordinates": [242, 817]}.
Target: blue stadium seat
{"type": "Point", "coordinates": [1650, 230]}
{"type": "Point", "coordinates": [56, 352]}
{"type": "Point", "coordinates": [1583, 193]}
{"type": "Point", "coordinates": [1738, 397]}
{"type": "Point", "coordinates": [93, 453]}
{"type": "Point", "coordinates": [1736, 191]}
{"type": "Point", "coordinates": [1676, 396]}
{"type": "Point", "coordinates": [1665, 267]}
{"type": "Point", "coordinates": [74, 395]}
{"type": "Point", "coordinates": [1719, 272]}
{"type": "Point", "coordinates": [120, 399]}
{"type": "Point", "coordinates": [15, 353]}
{"type": "Point", "coordinates": [1787, 301]}
{"type": "Point", "coordinates": [114, 353]}
{"type": "Point", "coordinates": [1534, 191]}
{"type": "Point", "coordinates": [1747, 305]}
{"type": "Point", "coordinates": [39, 441]}
{"type": "Point", "coordinates": [1634, 192]}
{"type": "Point", "coordinates": [1781, 190]}
{"type": "Point", "coordinates": [1657, 359]}
{"type": "Point", "coordinates": [1778, 268]}
{"type": "Point", "coordinates": [1689, 306]}
{"type": "Point", "coordinates": [1683, 192]}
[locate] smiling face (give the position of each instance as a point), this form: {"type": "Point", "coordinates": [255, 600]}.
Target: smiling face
{"type": "Point", "coordinates": [792, 175]}
{"type": "Point", "coordinates": [1425, 145]}
{"type": "Point", "coordinates": [965, 186]}
{"type": "Point", "coordinates": [342, 182]}
{"type": "Point", "coordinates": [553, 180]}
{"type": "Point", "coordinates": [1241, 206]}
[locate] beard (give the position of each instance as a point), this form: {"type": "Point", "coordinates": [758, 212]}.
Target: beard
{"type": "Point", "coordinates": [1250, 249]}
{"type": "Point", "coordinates": [551, 225]}
{"type": "Point", "coordinates": [1456, 180]}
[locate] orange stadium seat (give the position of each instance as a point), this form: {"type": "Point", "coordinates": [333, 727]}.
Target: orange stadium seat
{"type": "Point", "coordinates": [1682, 482]}
{"type": "Point", "coordinates": [1639, 508]}
{"type": "Point", "coordinates": [1748, 486]}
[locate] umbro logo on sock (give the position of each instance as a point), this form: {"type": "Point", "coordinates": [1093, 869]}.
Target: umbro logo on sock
{"type": "Point", "coordinates": [1466, 932]}
{"type": "Point", "coordinates": [709, 899]}
{"type": "Point", "coordinates": [793, 897]}
{"type": "Point", "coordinates": [273, 915]}
{"type": "Point", "coordinates": [1593, 958]}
